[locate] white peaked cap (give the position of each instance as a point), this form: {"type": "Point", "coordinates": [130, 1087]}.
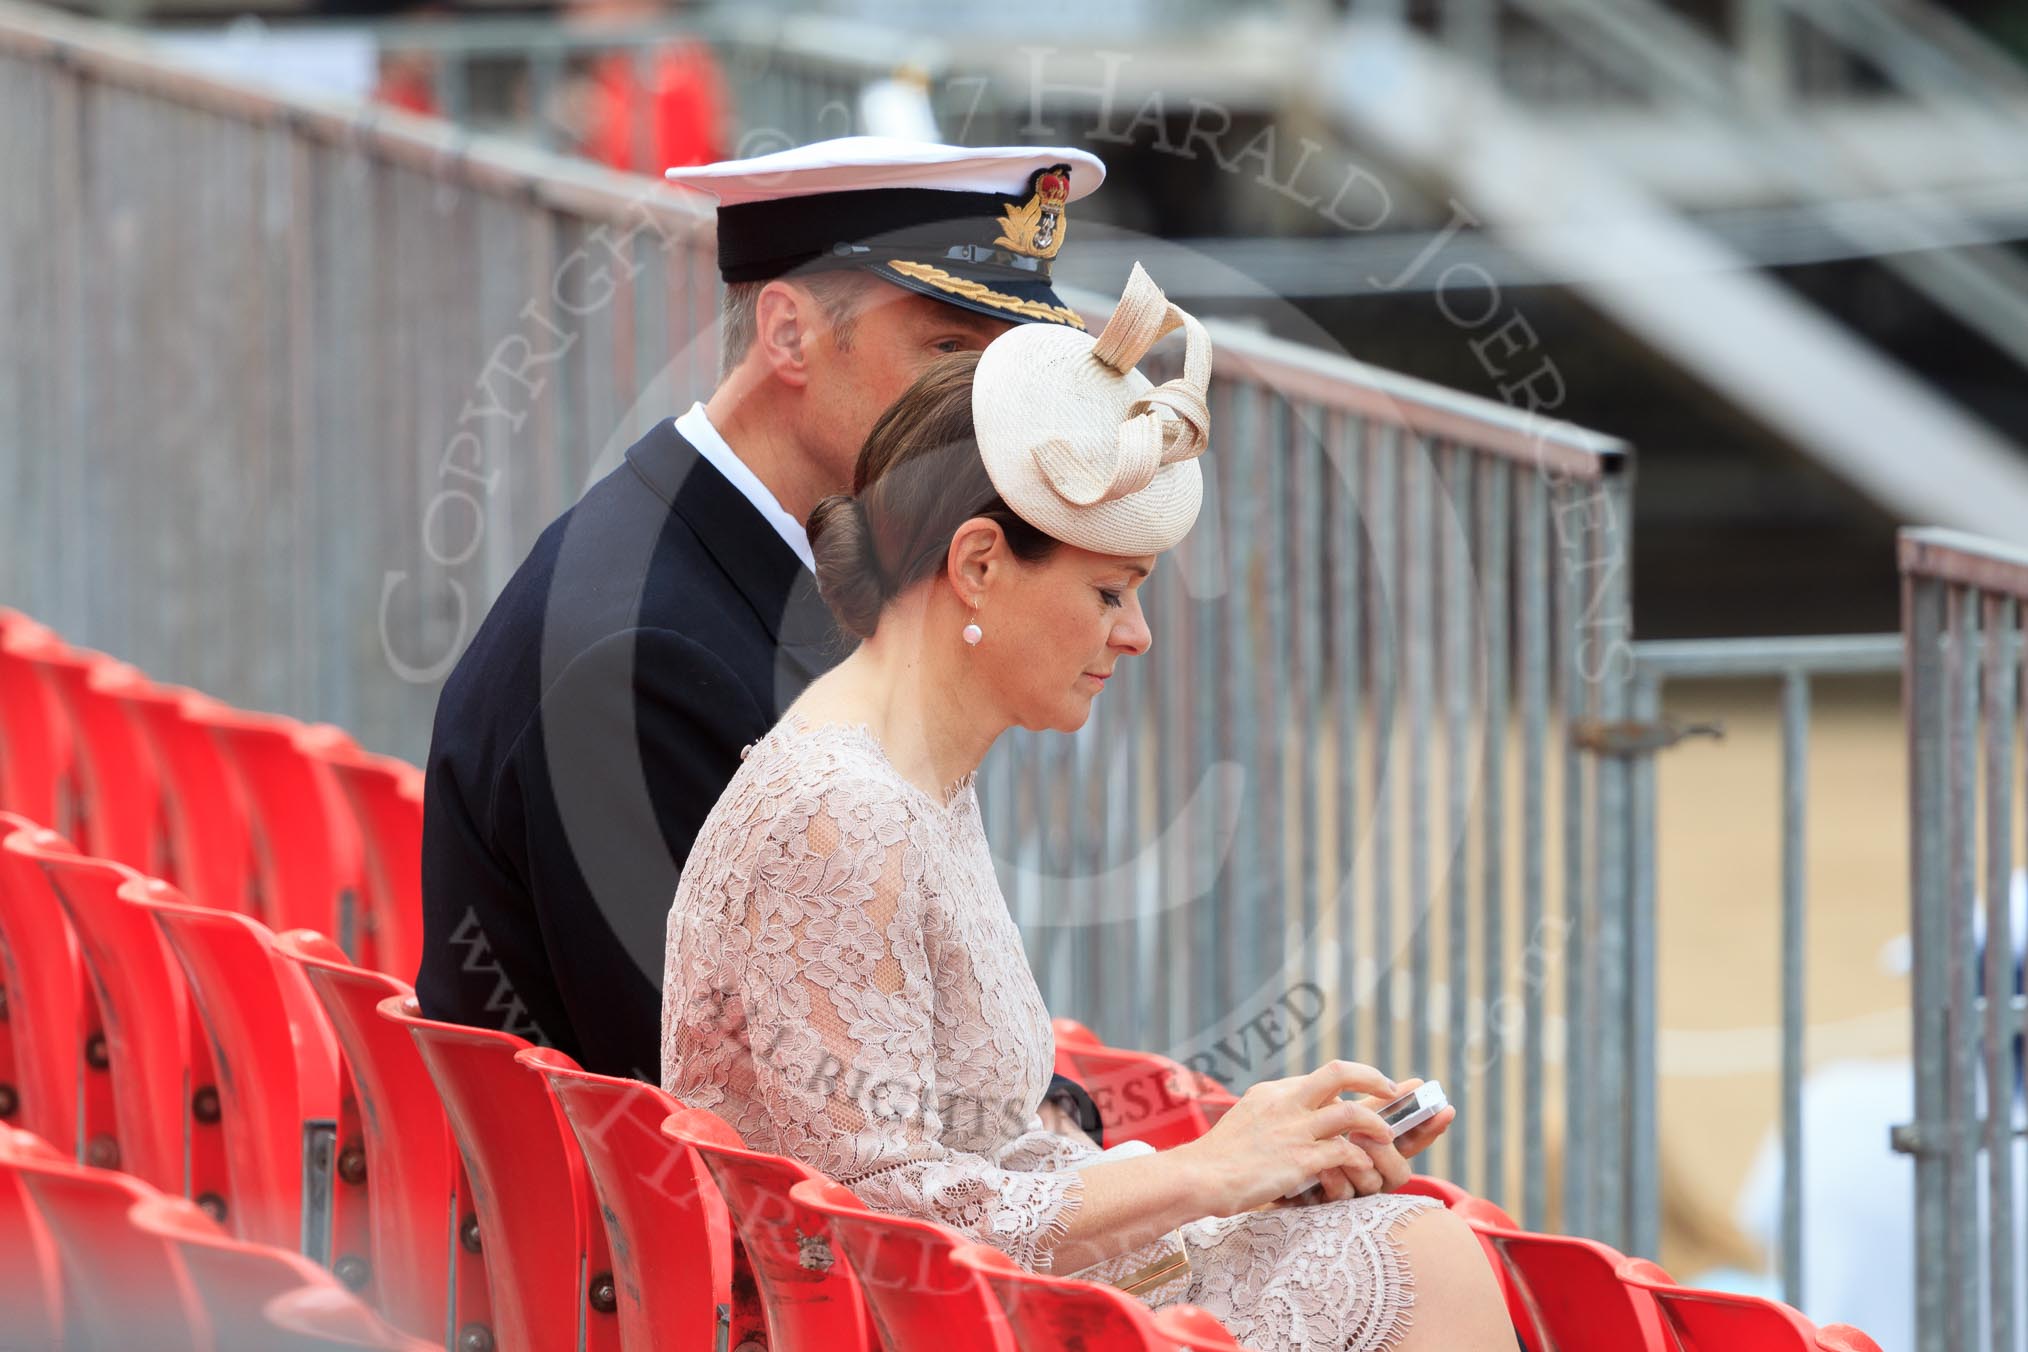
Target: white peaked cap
{"type": "Point", "coordinates": [855, 163]}
{"type": "Point", "coordinates": [1084, 447]}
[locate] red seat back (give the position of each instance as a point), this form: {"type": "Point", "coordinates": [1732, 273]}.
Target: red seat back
{"type": "Point", "coordinates": [546, 1252]}
{"type": "Point", "coordinates": [1058, 1314]}
{"type": "Point", "coordinates": [233, 1279]}
{"type": "Point", "coordinates": [60, 1078]}
{"type": "Point", "coordinates": [1485, 1219]}
{"type": "Point", "coordinates": [306, 842]}
{"type": "Point", "coordinates": [36, 753]}
{"type": "Point", "coordinates": [412, 1175]}
{"type": "Point", "coordinates": [153, 1047]}
{"type": "Point", "coordinates": [120, 797]}
{"type": "Point", "coordinates": [1143, 1096]}
{"type": "Point", "coordinates": [126, 1287]}
{"type": "Point", "coordinates": [278, 1063]}
{"type": "Point", "coordinates": [386, 799]}
{"type": "Point", "coordinates": [210, 843]}
{"type": "Point", "coordinates": [1719, 1321]}
{"type": "Point", "coordinates": [1443, 1190]}
{"type": "Point", "coordinates": [31, 1266]}
{"type": "Point", "coordinates": [667, 1226]}
{"type": "Point", "coordinates": [921, 1300]}
{"type": "Point", "coordinates": [810, 1295]}
{"type": "Point", "coordinates": [1574, 1294]}
{"type": "Point", "coordinates": [1071, 1033]}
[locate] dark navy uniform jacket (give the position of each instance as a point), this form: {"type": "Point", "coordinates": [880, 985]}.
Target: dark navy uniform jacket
{"type": "Point", "coordinates": [657, 627]}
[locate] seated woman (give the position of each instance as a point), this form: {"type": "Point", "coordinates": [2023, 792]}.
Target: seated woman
{"type": "Point", "coordinates": [844, 983]}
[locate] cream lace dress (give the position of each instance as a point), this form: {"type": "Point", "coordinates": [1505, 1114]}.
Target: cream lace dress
{"type": "Point", "coordinates": [845, 986]}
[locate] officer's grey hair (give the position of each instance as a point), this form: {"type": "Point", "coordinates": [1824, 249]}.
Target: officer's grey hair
{"type": "Point", "coordinates": [839, 292]}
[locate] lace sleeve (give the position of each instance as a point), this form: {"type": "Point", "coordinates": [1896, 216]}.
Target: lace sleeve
{"type": "Point", "coordinates": [838, 994]}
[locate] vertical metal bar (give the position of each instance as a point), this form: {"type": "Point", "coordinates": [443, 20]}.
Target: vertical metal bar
{"type": "Point", "coordinates": [1419, 623]}
{"type": "Point", "coordinates": [1533, 603]}
{"type": "Point", "coordinates": [1644, 1164]}
{"type": "Point", "coordinates": [1923, 684]}
{"type": "Point", "coordinates": [1080, 949]}
{"type": "Point", "coordinates": [2002, 657]}
{"type": "Point", "coordinates": [1458, 669]}
{"type": "Point", "coordinates": [1313, 613]}
{"type": "Point", "coordinates": [1128, 839]}
{"type": "Point", "coordinates": [1385, 657]}
{"type": "Point", "coordinates": [1174, 763]}
{"type": "Point", "coordinates": [1208, 562]}
{"type": "Point", "coordinates": [1269, 590]}
{"type": "Point", "coordinates": [1577, 933]}
{"type": "Point", "coordinates": [1960, 1103]}
{"type": "Point", "coordinates": [1239, 889]}
{"type": "Point", "coordinates": [1348, 616]}
{"type": "Point", "coordinates": [1605, 656]}
{"type": "Point", "coordinates": [1494, 509]}
{"type": "Point", "coordinates": [1795, 796]}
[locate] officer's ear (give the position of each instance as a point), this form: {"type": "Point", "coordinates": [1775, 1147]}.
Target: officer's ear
{"type": "Point", "coordinates": [782, 330]}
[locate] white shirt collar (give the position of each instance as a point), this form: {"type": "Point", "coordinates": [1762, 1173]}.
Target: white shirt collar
{"type": "Point", "coordinates": [695, 427]}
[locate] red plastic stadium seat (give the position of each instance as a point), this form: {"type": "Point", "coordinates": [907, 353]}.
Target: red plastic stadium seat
{"type": "Point", "coordinates": [1485, 1219]}
{"type": "Point", "coordinates": [1443, 1190]}
{"type": "Point", "coordinates": [1144, 1096]}
{"type": "Point", "coordinates": [921, 1300]}
{"type": "Point", "coordinates": [1719, 1321]}
{"type": "Point", "coordinates": [812, 1299]}
{"type": "Point", "coordinates": [1061, 1314]}
{"type": "Point", "coordinates": [233, 1280]}
{"type": "Point", "coordinates": [265, 1025]}
{"type": "Point", "coordinates": [35, 735]}
{"type": "Point", "coordinates": [211, 857]}
{"type": "Point", "coordinates": [413, 1178]}
{"type": "Point", "coordinates": [126, 1287]}
{"type": "Point", "coordinates": [160, 1063]}
{"type": "Point", "coordinates": [386, 798]}
{"type": "Point", "coordinates": [120, 797]}
{"type": "Point", "coordinates": [679, 1278]}
{"type": "Point", "coordinates": [31, 1268]}
{"type": "Point", "coordinates": [1574, 1294]}
{"type": "Point", "coordinates": [56, 1036]}
{"type": "Point", "coordinates": [306, 841]}
{"type": "Point", "coordinates": [546, 1253]}
{"type": "Point", "coordinates": [315, 1318]}
{"type": "Point", "coordinates": [1071, 1033]}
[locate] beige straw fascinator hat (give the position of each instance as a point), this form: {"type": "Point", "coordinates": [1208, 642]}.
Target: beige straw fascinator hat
{"type": "Point", "coordinates": [1083, 446]}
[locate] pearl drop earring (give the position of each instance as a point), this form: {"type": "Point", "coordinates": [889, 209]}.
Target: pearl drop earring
{"type": "Point", "coordinates": [973, 633]}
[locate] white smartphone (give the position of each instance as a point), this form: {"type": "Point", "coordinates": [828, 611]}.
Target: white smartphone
{"type": "Point", "coordinates": [1413, 1109]}
{"type": "Point", "coordinates": [1406, 1113]}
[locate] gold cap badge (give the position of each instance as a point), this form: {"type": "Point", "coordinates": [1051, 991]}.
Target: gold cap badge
{"type": "Point", "coordinates": [1036, 227]}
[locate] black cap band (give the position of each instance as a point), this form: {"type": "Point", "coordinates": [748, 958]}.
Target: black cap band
{"type": "Point", "coordinates": [761, 240]}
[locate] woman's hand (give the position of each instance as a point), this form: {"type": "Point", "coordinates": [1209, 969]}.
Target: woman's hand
{"type": "Point", "coordinates": [1282, 1133]}
{"type": "Point", "coordinates": [1377, 1167]}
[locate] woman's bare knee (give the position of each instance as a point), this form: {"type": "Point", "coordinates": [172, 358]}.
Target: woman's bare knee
{"type": "Point", "coordinates": [1458, 1306]}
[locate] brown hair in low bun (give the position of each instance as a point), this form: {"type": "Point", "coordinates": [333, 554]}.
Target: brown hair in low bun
{"type": "Point", "coordinates": [919, 477]}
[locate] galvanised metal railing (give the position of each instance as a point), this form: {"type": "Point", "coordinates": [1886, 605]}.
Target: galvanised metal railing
{"type": "Point", "coordinates": [290, 388]}
{"type": "Point", "coordinates": [1799, 664]}
{"type": "Point", "coordinates": [1962, 601]}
